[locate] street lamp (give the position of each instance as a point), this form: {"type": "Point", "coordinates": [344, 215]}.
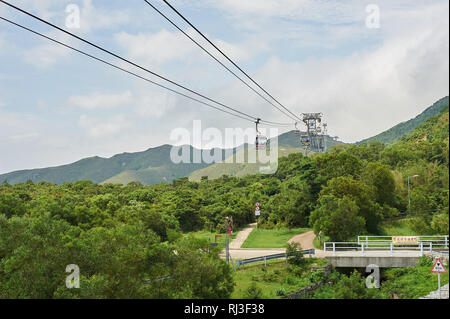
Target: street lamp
{"type": "Point", "coordinates": [409, 199]}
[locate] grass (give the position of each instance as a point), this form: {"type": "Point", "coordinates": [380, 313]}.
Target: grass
{"type": "Point", "coordinates": [271, 238]}
{"type": "Point", "coordinates": [319, 245]}
{"type": "Point", "coordinates": [275, 280]}
{"type": "Point", "coordinates": [397, 228]}
{"type": "Point", "coordinates": [210, 236]}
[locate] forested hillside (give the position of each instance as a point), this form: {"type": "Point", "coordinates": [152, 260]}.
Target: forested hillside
{"type": "Point", "coordinates": [403, 129]}
{"type": "Point", "coordinates": [124, 238]}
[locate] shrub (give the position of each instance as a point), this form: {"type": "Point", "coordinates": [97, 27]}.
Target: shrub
{"type": "Point", "coordinates": [317, 276]}
{"type": "Point", "coordinates": [254, 292]}
{"type": "Point", "coordinates": [281, 292]}
{"type": "Point", "coordinates": [293, 250]}
{"type": "Point", "coordinates": [290, 280]}
{"type": "Point", "coordinates": [269, 277]}
{"type": "Point", "coordinates": [425, 261]}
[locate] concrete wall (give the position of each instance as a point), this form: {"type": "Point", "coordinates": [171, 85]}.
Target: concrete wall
{"type": "Point", "coordinates": [382, 262]}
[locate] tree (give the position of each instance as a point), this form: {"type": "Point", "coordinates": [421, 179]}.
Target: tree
{"type": "Point", "coordinates": [333, 165]}
{"type": "Point", "coordinates": [337, 218]}
{"type": "Point", "coordinates": [363, 196]}
{"type": "Point", "coordinates": [199, 272]}
{"type": "Point", "coordinates": [381, 178]}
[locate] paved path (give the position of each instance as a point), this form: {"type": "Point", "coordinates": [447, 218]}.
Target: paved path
{"type": "Point", "coordinates": [305, 239]}
{"type": "Point", "coordinates": [237, 242]}
{"type": "Point", "coordinates": [435, 294]}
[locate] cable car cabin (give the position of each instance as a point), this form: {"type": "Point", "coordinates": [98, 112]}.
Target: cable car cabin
{"type": "Point", "coordinates": [297, 133]}
{"type": "Point", "coordinates": [304, 139]}
{"type": "Point", "coordinates": [260, 142]}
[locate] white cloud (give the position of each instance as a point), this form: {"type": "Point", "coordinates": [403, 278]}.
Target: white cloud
{"type": "Point", "coordinates": [92, 18]}
{"type": "Point", "coordinates": [100, 128]}
{"type": "Point", "coordinates": [100, 100]}
{"type": "Point", "coordinates": [48, 53]}
{"type": "Point", "coordinates": [154, 104]}
{"type": "Point", "coordinates": [159, 47]}
{"type": "Point", "coordinates": [243, 51]}
{"type": "Point", "coordinates": [372, 90]}
{"type": "Point", "coordinates": [165, 46]}
{"type": "Point", "coordinates": [26, 136]}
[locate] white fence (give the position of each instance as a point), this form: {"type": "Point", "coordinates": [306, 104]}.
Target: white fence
{"type": "Point", "coordinates": [437, 240]}
{"type": "Point", "coordinates": [371, 243]}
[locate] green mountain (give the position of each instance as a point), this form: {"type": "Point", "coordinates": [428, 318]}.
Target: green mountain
{"type": "Point", "coordinates": [152, 166]}
{"type": "Point", "coordinates": [405, 128]}
{"type": "Point", "coordinates": [288, 143]}
{"type": "Point", "coordinates": [289, 139]}
{"type": "Point", "coordinates": [434, 130]}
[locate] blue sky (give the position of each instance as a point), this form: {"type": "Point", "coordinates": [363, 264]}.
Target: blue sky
{"type": "Point", "coordinates": [315, 56]}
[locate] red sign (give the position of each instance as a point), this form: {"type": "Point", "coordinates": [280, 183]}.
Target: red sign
{"type": "Point", "coordinates": [438, 267]}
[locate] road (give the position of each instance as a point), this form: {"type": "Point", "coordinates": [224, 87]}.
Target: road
{"type": "Point", "coordinates": [236, 252]}
{"type": "Point", "coordinates": [305, 239]}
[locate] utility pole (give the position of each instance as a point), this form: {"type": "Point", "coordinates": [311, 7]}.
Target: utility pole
{"type": "Point", "coordinates": [409, 192]}
{"type": "Point", "coordinates": [227, 246]}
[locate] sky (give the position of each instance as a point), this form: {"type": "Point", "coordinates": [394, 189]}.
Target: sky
{"type": "Point", "coordinates": [366, 65]}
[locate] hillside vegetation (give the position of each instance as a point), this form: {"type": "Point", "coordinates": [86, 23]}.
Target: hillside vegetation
{"type": "Point", "coordinates": [124, 238]}
{"type": "Point", "coordinates": [152, 166]}
{"type": "Point", "coordinates": [405, 128]}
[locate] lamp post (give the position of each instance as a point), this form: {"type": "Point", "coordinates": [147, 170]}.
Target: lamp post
{"type": "Point", "coordinates": [409, 192]}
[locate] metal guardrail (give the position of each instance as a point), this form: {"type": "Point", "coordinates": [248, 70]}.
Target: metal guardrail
{"type": "Point", "coordinates": [243, 262]}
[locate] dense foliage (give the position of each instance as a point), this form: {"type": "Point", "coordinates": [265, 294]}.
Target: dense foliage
{"type": "Point", "coordinates": [395, 283]}
{"type": "Point", "coordinates": [126, 238]}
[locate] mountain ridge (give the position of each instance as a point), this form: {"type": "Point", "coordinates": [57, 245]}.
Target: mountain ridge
{"type": "Point", "coordinates": [153, 165]}
{"type": "Point", "coordinates": [403, 129]}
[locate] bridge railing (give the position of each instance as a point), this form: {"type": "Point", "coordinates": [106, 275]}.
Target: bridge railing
{"type": "Point", "coordinates": [243, 262]}
{"type": "Point", "coordinates": [364, 246]}
{"type": "Point", "coordinates": [438, 241]}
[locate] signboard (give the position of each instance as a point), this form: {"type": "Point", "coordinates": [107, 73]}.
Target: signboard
{"type": "Point", "coordinates": [405, 240]}
{"type": "Point", "coordinates": [257, 210]}
{"type": "Point", "coordinates": [438, 267]}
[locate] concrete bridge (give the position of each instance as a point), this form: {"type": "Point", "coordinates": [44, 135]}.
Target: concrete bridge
{"type": "Point", "coordinates": [381, 258]}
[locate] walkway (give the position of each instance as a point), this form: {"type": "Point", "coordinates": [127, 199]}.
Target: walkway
{"type": "Point", "coordinates": [435, 294]}
{"type": "Point", "coordinates": [305, 240]}
{"type": "Point", "coordinates": [236, 252]}
{"type": "Point", "coordinates": [237, 242]}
